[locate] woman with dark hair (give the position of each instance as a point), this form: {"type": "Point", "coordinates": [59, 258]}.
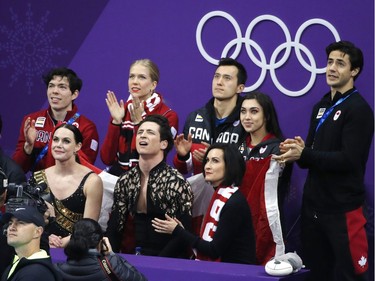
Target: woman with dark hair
{"type": "Point", "coordinates": [86, 253]}
{"type": "Point", "coordinates": [259, 119]}
{"type": "Point", "coordinates": [227, 233]}
{"type": "Point", "coordinates": [75, 190]}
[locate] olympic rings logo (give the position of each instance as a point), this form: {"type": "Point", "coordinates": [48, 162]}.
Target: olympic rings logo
{"type": "Point", "coordinates": [262, 62]}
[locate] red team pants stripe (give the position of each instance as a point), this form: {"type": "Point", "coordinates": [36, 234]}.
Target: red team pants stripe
{"type": "Point", "coordinates": [355, 222]}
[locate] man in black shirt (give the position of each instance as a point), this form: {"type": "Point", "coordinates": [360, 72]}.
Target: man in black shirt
{"type": "Point", "coordinates": [335, 153]}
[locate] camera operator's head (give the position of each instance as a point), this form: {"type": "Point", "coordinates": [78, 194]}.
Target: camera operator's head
{"type": "Point", "coordinates": [66, 142]}
{"type": "Point", "coordinates": [25, 228]}
{"type": "Point", "coordinates": [87, 234]}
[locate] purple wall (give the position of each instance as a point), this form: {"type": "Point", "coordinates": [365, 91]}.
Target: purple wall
{"type": "Point", "coordinates": [99, 39]}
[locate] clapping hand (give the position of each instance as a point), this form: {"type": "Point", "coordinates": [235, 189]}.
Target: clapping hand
{"type": "Point", "coordinates": [30, 134]}
{"type": "Point", "coordinates": [183, 145]}
{"type": "Point", "coordinates": [116, 109]}
{"type": "Point", "coordinates": [136, 110]}
{"type": "Point", "coordinates": [199, 153]}
{"type": "Point", "coordinates": [291, 150]}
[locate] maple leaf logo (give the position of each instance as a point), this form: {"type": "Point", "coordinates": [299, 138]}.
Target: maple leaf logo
{"type": "Point", "coordinates": [362, 262]}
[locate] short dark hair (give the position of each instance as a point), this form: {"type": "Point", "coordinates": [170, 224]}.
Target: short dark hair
{"type": "Point", "coordinates": [242, 73]}
{"type": "Point", "coordinates": [355, 54]}
{"type": "Point", "coordinates": [164, 130]}
{"type": "Point", "coordinates": [234, 163]}
{"type": "Point", "coordinates": [75, 83]}
{"type": "Point", "coordinates": [272, 121]}
{"type": "Point", "coordinates": [76, 132]}
{"type": "Point", "coordinates": [86, 234]}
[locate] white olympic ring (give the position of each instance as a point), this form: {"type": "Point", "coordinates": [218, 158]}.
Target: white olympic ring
{"type": "Point", "coordinates": [262, 61]}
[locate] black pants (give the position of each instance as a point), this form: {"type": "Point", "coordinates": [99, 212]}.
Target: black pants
{"type": "Point", "coordinates": [334, 245]}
